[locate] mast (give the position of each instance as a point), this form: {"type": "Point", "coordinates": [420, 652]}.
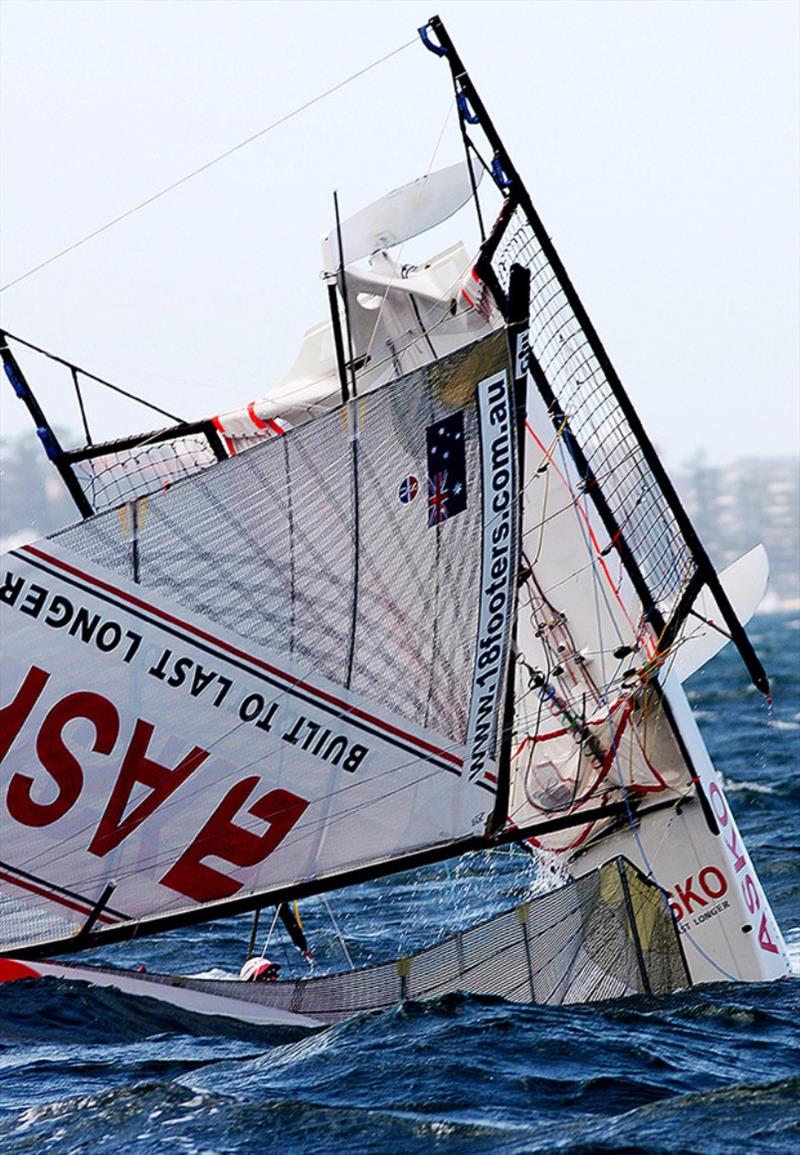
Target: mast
{"type": "Point", "coordinates": [345, 296]}
{"type": "Point", "coordinates": [353, 417]}
{"type": "Point", "coordinates": [507, 179]}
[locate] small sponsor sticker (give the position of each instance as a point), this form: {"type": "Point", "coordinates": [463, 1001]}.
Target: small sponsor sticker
{"type": "Point", "coordinates": [408, 489]}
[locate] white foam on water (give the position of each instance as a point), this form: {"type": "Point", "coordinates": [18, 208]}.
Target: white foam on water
{"type": "Point", "coordinates": [735, 787]}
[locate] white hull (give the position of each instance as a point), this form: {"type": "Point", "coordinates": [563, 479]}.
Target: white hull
{"type": "Point", "coordinates": [726, 924]}
{"type": "Point", "coordinates": [175, 991]}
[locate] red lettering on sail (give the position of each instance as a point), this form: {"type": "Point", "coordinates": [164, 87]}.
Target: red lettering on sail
{"type": "Point", "coordinates": [686, 895]}
{"type": "Point", "coordinates": [720, 886]}
{"type": "Point", "coordinates": [60, 763]}
{"type": "Point", "coordinates": [222, 838]}
{"type": "Point", "coordinates": [682, 899]}
{"type": "Point", "coordinates": [138, 769]}
{"type": "Point", "coordinates": [764, 938]}
{"type": "Point", "coordinates": [716, 796]}
{"type": "Point", "coordinates": [738, 857]}
{"type": "Point", "coordinates": [750, 892]}
{"type": "Point", "coordinates": [14, 716]}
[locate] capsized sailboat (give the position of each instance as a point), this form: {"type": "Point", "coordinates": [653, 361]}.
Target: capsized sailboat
{"type": "Point", "coordinates": [434, 594]}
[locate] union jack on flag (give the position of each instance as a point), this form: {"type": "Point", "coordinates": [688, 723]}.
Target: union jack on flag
{"type": "Point", "coordinates": [438, 494]}
{"type": "Point", "coordinates": [447, 468]}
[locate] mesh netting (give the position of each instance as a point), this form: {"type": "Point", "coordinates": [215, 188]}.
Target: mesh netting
{"type": "Point", "coordinates": [598, 424]}
{"type": "Point", "coordinates": [300, 547]}
{"type": "Point", "coordinates": [113, 476]}
{"type": "Point", "coordinates": [603, 936]}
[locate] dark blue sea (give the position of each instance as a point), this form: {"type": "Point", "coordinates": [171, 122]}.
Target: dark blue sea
{"type": "Point", "coordinates": [715, 1069]}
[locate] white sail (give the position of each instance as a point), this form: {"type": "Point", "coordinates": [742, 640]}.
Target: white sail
{"type": "Point", "coordinates": [745, 583]}
{"type": "Point", "coordinates": [401, 319]}
{"type": "Point", "coordinates": [400, 215]}
{"type": "Point", "coordinates": [276, 676]}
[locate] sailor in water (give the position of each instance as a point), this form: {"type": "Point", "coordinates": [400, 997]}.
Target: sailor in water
{"type": "Point", "coordinates": [260, 970]}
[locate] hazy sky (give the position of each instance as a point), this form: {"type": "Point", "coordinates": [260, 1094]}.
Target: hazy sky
{"type": "Point", "coordinates": [659, 141]}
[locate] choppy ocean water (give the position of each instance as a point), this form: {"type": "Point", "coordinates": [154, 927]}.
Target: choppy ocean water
{"type": "Point", "coordinates": [715, 1069]}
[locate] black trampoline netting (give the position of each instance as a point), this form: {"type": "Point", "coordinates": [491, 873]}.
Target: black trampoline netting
{"type": "Point", "coordinates": [584, 402]}
{"type": "Point", "coordinates": [605, 935]}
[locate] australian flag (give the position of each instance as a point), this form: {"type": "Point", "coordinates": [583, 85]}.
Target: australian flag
{"type": "Point", "coordinates": [447, 468]}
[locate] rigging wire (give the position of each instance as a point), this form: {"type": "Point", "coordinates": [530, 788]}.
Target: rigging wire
{"type": "Point", "coordinates": [630, 817]}
{"type": "Point", "coordinates": [209, 164]}
{"type": "Point", "coordinates": [608, 682]}
{"type": "Point", "coordinates": [385, 294]}
{"type": "Point", "coordinates": [265, 948]}
{"type": "Point", "coordinates": [339, 934]}
{"type": "Point", "coordinates": [77, 370]}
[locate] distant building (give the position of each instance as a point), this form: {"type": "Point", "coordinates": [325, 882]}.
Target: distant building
{"type": "Point", "coordinates": [755, 500]}
{"type": "Point", "coordinates": [33, 500]}
{"type": "Point", "coordinates": [735, 507]}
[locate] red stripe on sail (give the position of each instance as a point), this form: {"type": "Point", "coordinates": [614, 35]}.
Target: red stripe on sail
{"type": "Point", "coordinates": [343, 707]}
{"type": "Point", "coordinates": [251, 413]}
{"type": "Point", "coordinates": [53, 896]}
{"type": "Point", "coordinates": [220, 428]}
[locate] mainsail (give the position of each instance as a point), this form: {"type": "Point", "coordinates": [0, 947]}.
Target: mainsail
{"type": "Point", "coordinates": [284, 669]}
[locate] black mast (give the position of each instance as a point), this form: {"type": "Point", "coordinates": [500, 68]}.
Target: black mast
{"type": "Point", "coordinates": [518, 307]}
{"type": "Point", "coordinates": [508, 180]}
